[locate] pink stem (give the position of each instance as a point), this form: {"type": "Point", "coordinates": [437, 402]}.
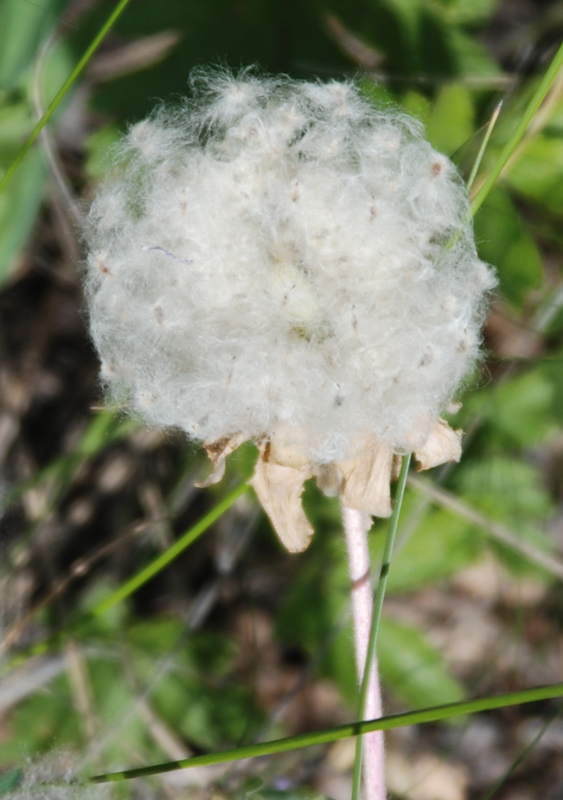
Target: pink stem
{"type": "Point", "coordinates": [356, 526]}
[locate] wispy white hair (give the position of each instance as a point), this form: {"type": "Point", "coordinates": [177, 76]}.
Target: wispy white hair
{"type": "Point", "coordinates": [275, 253]}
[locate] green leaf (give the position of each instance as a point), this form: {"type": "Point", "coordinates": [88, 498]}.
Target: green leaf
{"type": "Point", "coordinates": [506, 488]}
{"type": "Point", "coordinates": [60, 95]}
{"type": "Point", "coordinates": [264, 32]}
{"type": "Point", "coordinates": [19, 205]}
{"type": "Point", "coordinates": [441, 545]}
{"type": "Point", "coordinates": [413, 669]}
{"type": "Point", "coordinates": [107, 624]}
{"type": "Point", "coordinates": [522, 408]}
{"type": "Point", "coordinates": [10, 780]}
{"type": "Point", "coordinates": [15, 122]}
{"type": "Point", "coordinates": [209, 715]}
{"type": "Point", "coordinates": [195, 695]}
{"type": "Point", "coordinates": [22, 25]}
{"type": "Point", "coordinates": [553, 372]}
{"type": "Point", "coordinates": [300, 793]}
{"type": "Point", "coordinates": [506, 244]}
{"type": "Point", "coordinates": [467, 11]}
{"type": "Point", "coordinates": [538, 173]}
{"type": "Point", "coordinates": [510, 491]}
{"type": "Point", "coordinates": [473, 58]}
{"type": "Point", "coordinates": [554, 126]}
{"type": "Point", "coordinates": [21, 200]}
{"type": "Point", "coordinates": [155, 636]}
{"type": "Point", "coordinates": [41, 721]}
{"type": "Point", "coordinates": [208, 653]}
{"type": "Point", "coordinates": [417, 105]}
{"type": "Point", "coordinates": [451, 121]}
{"type": "Point", "coordinates": [97, 147]}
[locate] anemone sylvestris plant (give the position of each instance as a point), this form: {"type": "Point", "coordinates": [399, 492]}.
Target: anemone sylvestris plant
{"type": "Point", "coordinates": [281, 262]}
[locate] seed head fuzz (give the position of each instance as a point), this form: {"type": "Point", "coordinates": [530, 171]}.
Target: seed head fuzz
{"type": "Point", "coordinates": [281, 261]}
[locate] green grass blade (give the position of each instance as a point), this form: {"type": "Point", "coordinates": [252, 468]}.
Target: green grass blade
{"type": "Point", "coordinates": [328, 735]}
{"type": "Point", "coordinates": [51, 108]}
{"type": "Point", "coordinates": [377, 608]}
{"type": "Point", "coordinates": [138, 580]}
{"type": "Point", "coordinates": [509, 148]}
{"type": "Point", "coordinates": [490, 127]}
{"type": "Point", "coordinates": [527, 750]}
{"type": "Point", "coordinates": [169, 555]}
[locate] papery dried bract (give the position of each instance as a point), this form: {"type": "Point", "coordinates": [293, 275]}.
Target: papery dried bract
{"type": "Point", "coordinates": [218, 452]}
{"type": "Point", "coordinates": [366, 478]}
{"type": "Point", "coordinates": [443, 445]}
{"type": "Point", "coordinates": [279, 489]}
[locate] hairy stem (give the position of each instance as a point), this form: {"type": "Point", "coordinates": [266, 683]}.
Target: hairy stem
{"type": "Point", "coordinates": [356, 527]}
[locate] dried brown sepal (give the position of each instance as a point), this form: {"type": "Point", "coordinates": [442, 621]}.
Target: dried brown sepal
{"type": "Point", "coordinates": [366, 478]}
{"type": "Point", "coordinates": [218, 452]}
{"type": "Point", "coordinates": [443, 444]}
{"type": "Point", "coordinates": [362, 482]}
{"type": "Point", "coordinates": [279, 489]}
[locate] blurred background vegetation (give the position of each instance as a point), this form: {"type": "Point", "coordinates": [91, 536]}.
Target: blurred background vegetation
{"type": "Point", "coordinates": [237, 641]}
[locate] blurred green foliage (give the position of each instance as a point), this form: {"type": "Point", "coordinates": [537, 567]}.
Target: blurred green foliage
{"type": "Point", "coordinates": [504, 240]}
{"type": "Point", "coordinates": [182, 678]}
{"type": "Point", "coordinates": [431, 60]}
{"type": "Point", "coordinates": [24, 27]}
{"type": "Point", "coordinates": [427, 38]}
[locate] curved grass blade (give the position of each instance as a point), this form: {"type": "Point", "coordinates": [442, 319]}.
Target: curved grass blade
{"type": "Point", "coordinates": [51, 108]}
{"type": "Point", "coordinates": [527, 750]}
{"type": "Point", "coordinates": [170, 554]}
{"type": "Point", "coordinates": [518, 133]}
{"type": "Point", "coordinates": [138, 580]}
{"type": "Point", "coordinates": [342, 732]}
{"type": "Point", "coordinates": [490, 127]}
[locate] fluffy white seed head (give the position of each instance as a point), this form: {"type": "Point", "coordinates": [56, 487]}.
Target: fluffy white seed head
{"type": "Point", "coordinates": [276, 255]}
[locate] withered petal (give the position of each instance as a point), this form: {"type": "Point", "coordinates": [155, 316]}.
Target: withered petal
{"type": "Point", "coordinates": [443, 444]}
{"type": "Point", "coordinates": [367, 478]}
{"type": "Point", "coordinates": [279, 489]}
{"type": "Point", "coordinates": [218, 453]}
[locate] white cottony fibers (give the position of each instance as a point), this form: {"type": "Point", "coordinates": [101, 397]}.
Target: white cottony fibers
{"type": "Point", "coordinates": [276, 255]}
{"type": "Point", "coordinates": [55, 776]}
